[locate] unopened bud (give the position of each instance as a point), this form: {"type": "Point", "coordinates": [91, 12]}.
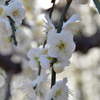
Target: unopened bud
{"type": "Point", "coordinates": [58, 68]}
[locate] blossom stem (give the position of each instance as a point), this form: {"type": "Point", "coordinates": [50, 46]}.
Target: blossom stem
{"type": "Point", "coordinates": [50, 14]}
{"type": "Point", "coordinates": [12, 23]}
{"type": "Point", "coordinates": [39, 72]}
{"type": "Point", "coordinates": [53, 77]}
{"type": "Point", "coordinates": [63, 15]}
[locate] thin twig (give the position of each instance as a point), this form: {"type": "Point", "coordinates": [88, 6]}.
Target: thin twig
{"type": "Point", "coordinates": [50, 14]}
{"type": "Point", "coordinates": [8, 81]}
{"type": "Point", "coordinates": [12, 23]}
{"type": "Point", "coordinates": [63, 16]}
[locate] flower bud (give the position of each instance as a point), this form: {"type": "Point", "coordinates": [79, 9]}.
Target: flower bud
{"type": "Point", "coordinates": [58, 68]}
{"type": "Point", "coordinates": [9, 39]}
{"type": "Point", "coordinates": [82, 1]}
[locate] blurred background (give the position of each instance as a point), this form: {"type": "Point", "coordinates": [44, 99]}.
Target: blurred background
{"type": "Point", "coordinates": [83, 73]}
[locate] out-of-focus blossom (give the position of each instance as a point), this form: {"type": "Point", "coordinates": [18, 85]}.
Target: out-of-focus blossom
{"type": "Point", "coordinates": [41, 84]}
{"type": "Point", "coordinates": [15, 11]}
{"type": "Point", "coordinates": [5, 28]}
{"type": "Point", "coordinates": [59, 91]}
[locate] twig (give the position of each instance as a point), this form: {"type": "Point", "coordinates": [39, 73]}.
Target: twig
{"type": "Point", "coordinates": [39, 72]}
{"type": "Point", "coordinates": [63, 16]}
{"type": "Point", "coordinates": [53, 77]}
{"type": "Point", "coordinates": [8, 80]}
{"type": "Point", "coordinates": [12, 23]}
{"type": "Point", "coordinates": [50, 14]}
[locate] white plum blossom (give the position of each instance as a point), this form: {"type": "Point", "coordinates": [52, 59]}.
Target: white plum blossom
{"type": "Point", "coordinates": [72, 24]}
{"type": "Point", "coordinates": [61, 46]}
{"type": "Point", "coordinates": [5, 28]}
{"type": "Point", "coordinates": [15, 11]}
{"type": "Point", "coordinates": [40, 84]}
{"type": "Point", "coordinates": [82, 1]}
{"type": "Point", "coordinates": [59, 91]}
{"type": "Point", "coordinates": [27, 89]}
{"type": "Point", "coordinates": [33, 56]}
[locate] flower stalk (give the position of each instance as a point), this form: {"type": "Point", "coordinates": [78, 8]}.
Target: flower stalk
{"type": "Point", "coordinates": [63, 15]}
{"type": "Point", "coordinates": [12, 23]}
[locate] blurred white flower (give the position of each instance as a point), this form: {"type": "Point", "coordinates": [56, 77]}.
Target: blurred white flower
{"type": "Point", "coordinates": [61, 46]}
{"type": "Point", "coordinates": [40, 84]}
{"type": "Point", "coordinates": [59, 91]}
{"type": "Point", "coordinates": [27, 89]}
{"type": "Point", "coordinates": [72, 24]}
{"type": "Point", "coordinates": [5, 47]}
{"type": "Point", "coordinates": [15, 11]}
{"type": "Point", "coordinates": [5, 28]}
{"type": "Point", "coordinates": [33, 56]}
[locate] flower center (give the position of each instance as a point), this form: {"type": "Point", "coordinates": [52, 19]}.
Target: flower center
{"type": "Point", "coordinates": [1, 10]}
{"type": "Point", "coordinates": [58, 92]}
{"type": "Point", "coordinates": [15, 13]}
{"type": "Point", "coordinates": [36, 58]}
{"type": "Point", "coordinates": [61, 46]}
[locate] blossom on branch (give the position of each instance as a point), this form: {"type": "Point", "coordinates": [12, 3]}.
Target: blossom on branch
{"type": "Point", "coordinates": [15, 11]}
{"type": "Point", "coordinates": [61, 46]}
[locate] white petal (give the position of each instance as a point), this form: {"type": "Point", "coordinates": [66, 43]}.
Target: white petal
{"type": "Point", "coordinates": [33, 64]}
{"type": "Point", "coordinates": [73, 19]}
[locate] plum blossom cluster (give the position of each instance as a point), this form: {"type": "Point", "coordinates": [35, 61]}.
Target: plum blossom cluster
{"type": "Point", "coordinates": [59, 46]}
{"type": "Point", "coordinates": [10, 10]}
{"type": "Point", "coordinates": [55, 54]}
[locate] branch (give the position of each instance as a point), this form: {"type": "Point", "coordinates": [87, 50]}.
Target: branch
{"type": "Point", "coordinates": [12, 23]}
{"type": "Point", "coordinates": [63, 16]}
{"type": "Point", "coordinates": [50, 14]}
{"type": "Point", "coordinates": [8, 80]}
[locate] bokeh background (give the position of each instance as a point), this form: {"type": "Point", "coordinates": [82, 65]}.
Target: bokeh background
{"type": "Point", "coordinates": [84, 71]}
